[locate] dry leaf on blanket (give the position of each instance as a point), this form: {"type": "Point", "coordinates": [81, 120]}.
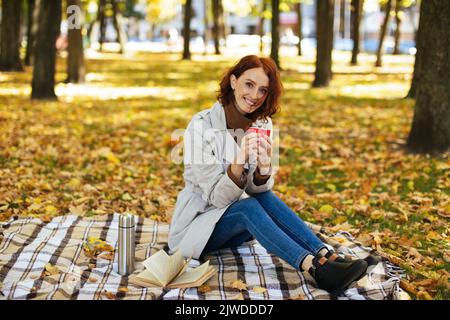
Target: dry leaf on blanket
{"type": "Point", "coordinates": [239, 284]}
{"type": "Point", "coordinates": [107, 256]}
{"type": "Point", "coordinates": [109, 295]}
{"type": "Point", "coordinates": [204, 288]}
{"type": "Point", "coordinates": [92, 280]}
{"type": "Point", "coordinates": [93, 246]}
{"type": "Point", "coordinates": [51, 270]}
{"type": "Point", "coordinates": [259, 289]}
{"type": "Point", "coordinates": [46, 218]}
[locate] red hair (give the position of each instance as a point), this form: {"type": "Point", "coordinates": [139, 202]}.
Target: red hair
{"type": "Point", "coordinates": [271, 104]}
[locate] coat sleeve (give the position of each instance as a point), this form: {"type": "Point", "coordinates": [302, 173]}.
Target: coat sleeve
{"type": "Point", "coordinates": [217, 187]}
{"type": "Point", "coordinates": [253, 188]}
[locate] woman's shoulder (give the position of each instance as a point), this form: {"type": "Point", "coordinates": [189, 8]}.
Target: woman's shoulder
{"type": "Point", "coordinates": [201, 118]}
{"type": "Point", "coordinates": [206, 114]}
{"type": "Point", "coordinates": [201, 114]}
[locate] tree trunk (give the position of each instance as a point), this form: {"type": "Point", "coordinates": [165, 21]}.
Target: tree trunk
{"type": "Point", "coordinates": [298, 9]}
{"type": "Point", "coordinates": [342, 19]}
{"type": "Point", "coordinates": [10, 36]}
{"type": "Point", "coordinates": [117, 22]}
{"type": "Point", "coordinates": [215, 29]}
{"type": "Point", "coordinates": [398, 22]}
{"type": "Point", "coordinates": [205, 22]}
{"type": "Point", "coordinates": [101, 16]}
{"type": "Point", "coordinates": [261, 26]}
{"type": "Point", "coordinates": [30, 35]}
{"type": "Point", "coordinates": [49, 20]}
{"type": "Point", "coordinates": [383, 33]}
{"type": "Point", "coordinates": [75, 60]}
{"type": "Point", "coordinates": [357, 12]}
{"type": "Point", "coordinates": [430, 131]}
{"type": "Point", "coordinates": [417, 63]}
{"type": "Point", "coordinates": [275, 45]}
{"type": "Point", "coordinates": [34, 30]}
{"type": "Point", "coordinates": [187, 29]}
{"type": "Point", "coordinates": [324, 29]}
{"type": "Point", "coordinates": [222, 28]}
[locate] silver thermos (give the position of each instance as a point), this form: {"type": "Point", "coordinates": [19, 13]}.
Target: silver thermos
{"type": "Point", "coordinates": [126, 244]}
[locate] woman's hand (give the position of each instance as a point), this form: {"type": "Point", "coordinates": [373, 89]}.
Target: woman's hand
{"type": "Point", "coordinates": [248, 153]}
{"type": "Point", "coordinates": [264, 154]}
{"type": "Point", "coordinates": [249, 149]}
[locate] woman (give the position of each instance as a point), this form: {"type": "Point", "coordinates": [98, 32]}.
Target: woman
{"type": "Point", "coordinates": [227, 199]}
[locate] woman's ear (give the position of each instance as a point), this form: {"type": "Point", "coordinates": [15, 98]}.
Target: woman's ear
{"type": "Point", "coordinates": [233, 81]}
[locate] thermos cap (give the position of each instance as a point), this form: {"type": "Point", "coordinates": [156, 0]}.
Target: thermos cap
{"type": "Point", "coordinates": [126, 220]}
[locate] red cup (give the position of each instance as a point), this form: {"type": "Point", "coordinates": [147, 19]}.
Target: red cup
{"type": "Point", "coordinates": [259, 131]}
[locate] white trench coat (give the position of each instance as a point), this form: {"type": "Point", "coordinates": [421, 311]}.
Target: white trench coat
{"type": "Point", "coordinates": [209, 148]}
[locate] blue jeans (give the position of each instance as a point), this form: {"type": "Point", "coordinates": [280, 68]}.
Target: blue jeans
{"type": "Point", "coordinates": [267, 218]}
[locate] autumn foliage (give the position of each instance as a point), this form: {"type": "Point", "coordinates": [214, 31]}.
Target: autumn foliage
{"type": "Point", "coordinates": [105, 147]}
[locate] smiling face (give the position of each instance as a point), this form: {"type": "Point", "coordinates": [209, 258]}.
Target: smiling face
{"type": "Point", "coordinates": [250, 89]}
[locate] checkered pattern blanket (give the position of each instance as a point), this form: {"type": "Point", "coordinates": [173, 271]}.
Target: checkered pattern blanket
{"type": "Point", "coordinates": [27, 245]}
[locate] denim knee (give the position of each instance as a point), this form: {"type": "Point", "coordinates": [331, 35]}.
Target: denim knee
{"type": "Point", "coordinates": [252, 208]}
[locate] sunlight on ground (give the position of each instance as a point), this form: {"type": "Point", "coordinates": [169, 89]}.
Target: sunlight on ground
{"type": "Point", "coordinates": [72, 92]}
{"type": "Point", "coordinates": [378, 90]}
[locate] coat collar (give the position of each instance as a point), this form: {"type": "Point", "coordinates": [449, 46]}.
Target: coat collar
{"type": "Point", "coordinates": [218, 119]}
{"type": "Point", "coordinates": [218, 122]}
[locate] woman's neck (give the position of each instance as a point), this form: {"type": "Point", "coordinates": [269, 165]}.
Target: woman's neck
{"type": "Point", "coordinates": [235, 119]}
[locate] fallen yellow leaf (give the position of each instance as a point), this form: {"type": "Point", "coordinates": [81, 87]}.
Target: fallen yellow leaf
{"type": "Point", "coordinates": [204, 288]}
{"type": "Point", "coordinates": [326, 209]}
{"type": "Point", "coordinates": [376, 215]}
{"type": "Point", "coordinates": [109, 295]}
{"type": "Point", "coordinates": [239, 284]}
{"type": "Point", "coordinates": [51, 270]}
{"type": "Point", "coordinates": [77, 210]}
{"type": "Point", "coordinates": [258, 289]}
{"type": "Point", "coordinates": [423, 295]}
{"type": "Point", "coordinates": [94, 246]}
{"type": "Point", "coordinates": [51, 210]}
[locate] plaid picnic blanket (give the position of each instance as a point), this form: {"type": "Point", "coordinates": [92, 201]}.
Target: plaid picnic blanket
{"type": "Point", "coordinates": [27, 245]}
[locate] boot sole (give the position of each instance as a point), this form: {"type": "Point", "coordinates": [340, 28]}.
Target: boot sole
{"type": "Point", "coordinates": [338, 291]}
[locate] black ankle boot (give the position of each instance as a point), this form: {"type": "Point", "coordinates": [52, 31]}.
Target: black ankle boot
{"type": "Point", "coordinates": [335, 277]}
{"type": "Point", "coordinates": [333, 256]}
{"type": "Point", "coordinates": [370, 259]}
